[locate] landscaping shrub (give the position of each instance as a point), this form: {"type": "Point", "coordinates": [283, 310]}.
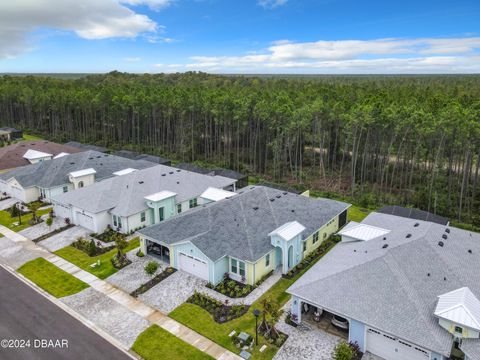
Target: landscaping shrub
{"type": "Point", "coordinates": [89, 247]}
{"type": "Point", "coordinates": [49, 221]}
{"type": "Point", "coordinates": [151, 267]}
{"type": "Point", "coordinates": [109, 235]}
{"type": "Point", "coordinates": [140, 253]}
{"type": "Point", "coordinates": [343, 351]}
{"type": "Point", "coordinates": [151, 283]}
{"type": "Point", "coordinates": [222, 312]}
{"type": "Point", "coordinates": [232, 288]}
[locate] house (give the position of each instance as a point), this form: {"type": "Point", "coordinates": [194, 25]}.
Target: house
{"type": "Point", "coordinates": [406, 288]}
{"type": "Point", "coordinates": [137, 198]}
{"type": "Point", "coordinates": [247, 235]}
{"type": "Point", "coordinates": [412, 213]}
{"type": "Point", "coordinates": [195, 168]}
{"type": "Point", "coordinates": [62, 174]}
{"type": "Point", "coordinates": [242, 179]}
{"type": "Point", "coordinates": [27, 152]}
{"type": "Point", "coordinates": [10, 134]}
{"type": "Point", "coordinates": [86, 147]}
{"type": "Point", "coordinates": [136, 156]}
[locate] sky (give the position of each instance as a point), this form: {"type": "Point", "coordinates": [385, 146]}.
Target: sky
{"type": "Point", "coordinates": [240, 36]}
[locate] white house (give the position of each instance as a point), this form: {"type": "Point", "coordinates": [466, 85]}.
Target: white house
{"type": "Point", "coordinates": [35, 156]}
{"type": "Point", "coordinates": [137, 198]}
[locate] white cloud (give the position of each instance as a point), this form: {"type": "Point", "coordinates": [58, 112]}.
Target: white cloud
{"type": "Point", "coordinates": [423, 55]}
{"type": "Point", "coordinates": [271, 4]}
{"type": "Point", "coordinates": [89, 19]}
{"type": "Point", "coordinates": [152, 4]}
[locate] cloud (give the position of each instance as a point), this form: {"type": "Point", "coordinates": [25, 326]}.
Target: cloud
{"type": "Point", "coordinates": [152, 4]}
{"type": "Point", "coordinates": [271, 4]}
{"type": "Point", "coordinates": [89, 19]}
{"type": "Point", "coordinates": [422, 55]}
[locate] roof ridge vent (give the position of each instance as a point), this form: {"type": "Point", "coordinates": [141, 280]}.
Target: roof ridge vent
{"type": "Point", "coordinates": [255, 208]}
{"type": "Point", "coordinates": [447, 230]}
{"type": "Point", "coordinates": [384, 246]}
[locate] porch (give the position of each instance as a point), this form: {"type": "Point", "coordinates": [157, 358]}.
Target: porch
{"type": "Point", "coordinates": [316, 319]}
{"type": "Point", "coordinates": [158, 251]}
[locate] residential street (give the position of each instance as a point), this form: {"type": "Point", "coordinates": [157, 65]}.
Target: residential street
{"type": "Point", "coordinates": [27, 315]}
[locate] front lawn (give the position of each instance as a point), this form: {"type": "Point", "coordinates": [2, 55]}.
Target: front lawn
{"type": "Point", "coordinates": [357, 213]}
{"type": "Point", "coordinates": [202, 322]}
{"type": "Point", "coordinates": [50, 278]}
{"type": "Point", "coordinates": [82, 260]}
{"type": "Point", "coordinates": [9, 222]}
{"type": "Point", "coordinates": [156, 343]}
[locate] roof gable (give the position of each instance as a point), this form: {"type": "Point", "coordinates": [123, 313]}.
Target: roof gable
{"type": "Point", "coordinates": [461, 307]}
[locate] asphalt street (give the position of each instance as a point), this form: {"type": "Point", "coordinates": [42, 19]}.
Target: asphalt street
{"type": "Point", "coordinates": [44, 330]}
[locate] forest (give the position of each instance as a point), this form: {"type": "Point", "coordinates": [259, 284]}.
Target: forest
{"type": "Point", "coordinates": [411, 140]}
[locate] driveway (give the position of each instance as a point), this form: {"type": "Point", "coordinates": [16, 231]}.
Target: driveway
{"type": "Point", "coordinates": [115, 319]}
{"type": "Point", "coordinates": [64, 238]}
{"type": "Point", "coordinates": [173, 291]}
{"type": "Point", "coordinates": [5, 204]}
{"type": "Point", "coordinates": [14, 254]}
{"type": "Point", "coordinates": [305, 343]}
{"type": "Point", "coordinates": [35, 231]}
{"type": "Point", "coordinates": [132, 276]}
{"type": "Point", "coordinates": [28, 315]}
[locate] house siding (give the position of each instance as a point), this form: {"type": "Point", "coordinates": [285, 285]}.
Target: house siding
{"type": "Point", "coordinates": [323, 233]}
{"type": "Point", "coordinates": [356, 333]}
{"type": "Point", "coordinates": [220, 268]}
{"type": "Point", "coordinates": [260, 269]}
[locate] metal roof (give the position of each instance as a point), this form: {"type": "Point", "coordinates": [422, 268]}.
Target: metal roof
{"type": "Point", "coordinates": [61, 155]}
{"type": "Point", "coordinates": [362, 232]}
{"type": "Point", "coordinates": [215, 194]}
{"type": "Point", "coordinates": [461, 307]}
{"type": "Point", "coordinates": [124, 171]}
{"type": "Point", "coordinates": [162, 195]}
{"type": "Point", "coordinates": [288, 230]}
{"type": "Point", "coordinates": [83, 172]}
{"type": "Point", "coordinates": [35, 154]}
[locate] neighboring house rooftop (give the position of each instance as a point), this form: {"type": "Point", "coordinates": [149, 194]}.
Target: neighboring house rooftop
{"type": "Point", "coordinates": [86, 147]}
{"type": "Point", "coordinates": [11, 156]}
{"type": "Point", "coordinates": [215, 194]}
{"type": "Point", "coordinates": [412, 213]}
{"type": "Point", "coordinates": [134, 187]}
{"type": "Point", "coordinates": [35, 154]}
{"type": "Point", "coordinates": [229, 173]}
{"type": "Point", "coordinates": [55, 172]}
{"type": "Point", "coordinates": [195, 168]}
{"type": "Point", "coordinates": [136, 156]}
{"type": "Point", "coordinates": [240, 226]}
{"type": "Point", "coordinates": [393, 284]}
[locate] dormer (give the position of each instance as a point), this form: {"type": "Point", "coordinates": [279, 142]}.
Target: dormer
{"type": "Point", "coordinates": [154, 200]}
{"type": "Point", "coordinates": [35, 156]}
{"type": "Point", "coordinates": [355, 231]}
{"type": "Point", "coordinates": [215, 194]}
{"type": "Point", "coordinates": [458, 312]}
{"type": "Point", "coordinates": [82, 178]}
{"type": "Point", "coordinates": [286, 233]}
{"type": "Point", "coordinates": [124, 171]}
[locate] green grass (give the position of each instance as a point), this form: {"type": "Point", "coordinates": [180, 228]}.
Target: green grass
{"type": "Point", "coordinates": [156, 343]}
{"type": "Point", "coordinates": [357, 213]}
{"type": "Point", "coordinates": [8, 221]}
{"type": "Point", "coordinates": [50, 278]}
{"type": "Point", "coordinates": [31, 137]}
{"type": "Point", "coordinates": [84, 261]}
{"type": "Point", "coordinates": [202, 322]}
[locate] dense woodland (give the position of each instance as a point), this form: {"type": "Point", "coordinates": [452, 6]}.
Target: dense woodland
{"type": "Point", "coordinates": [413, 140]}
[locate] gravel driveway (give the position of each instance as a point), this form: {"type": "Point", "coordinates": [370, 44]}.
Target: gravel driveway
{"type": "Point", "coordinates": [173, 291]}
{"type": "Point", "coordinates": [35, 231]}
{"type": "Point", "coordinates": [64, 238]}
{"type": "Point", "coordinates": [107, 314]}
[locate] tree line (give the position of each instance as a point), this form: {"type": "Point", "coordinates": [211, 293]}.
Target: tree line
{"type": "Point", "coordinates": [413, 140]}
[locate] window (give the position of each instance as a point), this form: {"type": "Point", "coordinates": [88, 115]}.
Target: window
{"type": "Point", "coordinates": [267, 260]}
{"type": "Point", "coordinates": [119, 220]}
{"type": "Point", "coordinates": [458, 330]}
{"type": "Point", "coordinates": [161, 214]}
{"type": "Point", "coordinates": [324, 235]}
{"type": "Point", "coordinates": [179, 208]}
{"type": "Point", "coordinates": [237, 267]}
{"type": "Point", "coordinates": [315, 237]}
{"type": "Point", "coordinates": [192, 203]}
{"type": "Point", "coordinates": [80, 184]}
{"type": "Point", "coordinates": [305, 246]}
{"type": "Point", "coordinates": [115, 220]}
{"type": "Point", "coordinates": [142, 216]}
{"type": "Point", "coordinates": [65, 188]}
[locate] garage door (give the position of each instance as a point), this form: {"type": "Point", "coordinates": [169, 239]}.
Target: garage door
{"type": "Point", "coordinates": [62, 211]}
{"type": "Point", "coordinates": [84, 220]}
{"type": "Point", "coordinates": [193, 266]}
{"type": "Point", "coordinates": [391, 348]}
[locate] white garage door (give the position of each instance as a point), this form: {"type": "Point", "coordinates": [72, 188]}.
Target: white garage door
{"type": "Point", "coordinates": [391, 348]}
{"type": "Point", "coordinates": [193, 266]}
{"type": "Point", "coordinates": [84, 220]}
{"type": "Point", "coordinates": [62, 211]}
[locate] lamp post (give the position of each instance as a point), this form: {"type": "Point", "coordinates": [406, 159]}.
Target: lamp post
{"type": "Point", "coordinates": [256, 313]}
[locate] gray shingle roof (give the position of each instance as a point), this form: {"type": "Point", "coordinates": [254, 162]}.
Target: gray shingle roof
{"type": "Point", "coordinates": [124, 195]}
{"type": "Point", "coordinates": [55, 172]}
{"type": "Point", "coordinates": [412, 213]}
{"type": "Point", "coordinates": [86, 147]}
{"type": "Point", "coordinates": [239, 226]}
{"type": "Point", "coordinates": [395, 289]}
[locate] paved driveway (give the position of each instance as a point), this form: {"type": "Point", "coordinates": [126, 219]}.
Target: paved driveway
{"type": "Point", "coordinates": [132, 276]}
{"type": "Point", "coordinates": [14, 254]}
{"type": "Point", "coordinates": [64, 238]}
{"type": "Point", "coordinates": [28, 315]}
{"type": "Point", "coordinates": [173, 291]}
{"type": "Point", "coordinates": [305, 343]}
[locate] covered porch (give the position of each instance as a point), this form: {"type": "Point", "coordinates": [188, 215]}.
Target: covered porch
{"type": "Point", "coordinates": [157, 250]}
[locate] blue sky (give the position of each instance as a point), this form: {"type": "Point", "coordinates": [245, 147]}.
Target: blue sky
{"type": "Point", "coordinates": [240, 36]}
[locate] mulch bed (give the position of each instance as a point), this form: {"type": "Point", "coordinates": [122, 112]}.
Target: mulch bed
{"type": "Point", "coordinates": [151, 283]}
{"type": "Point", "coordinates": [221, 312]}
{"type": "Point", "coordinates": [51, 233]}
{"type": "Point", "coordinates": [107, 236]}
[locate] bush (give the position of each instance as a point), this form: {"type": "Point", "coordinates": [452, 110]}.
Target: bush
{"type": "Point", "coordinates": [343, 351]}
{"type": "Point", "coordinates": [49, 221]}
{"type": "Point", "coordinates": [91, 249]}
{"type": "Point", "coordinates": [151, 267]}
{"type": "Point", "coordinates": [140, 253]}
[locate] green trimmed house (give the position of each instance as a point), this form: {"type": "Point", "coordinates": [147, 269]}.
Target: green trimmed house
{"type": "Point", "coordinates": [247, 236]}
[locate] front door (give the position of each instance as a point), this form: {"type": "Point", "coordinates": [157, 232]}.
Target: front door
{"type": "Point", "coordinates": [290, 257]}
